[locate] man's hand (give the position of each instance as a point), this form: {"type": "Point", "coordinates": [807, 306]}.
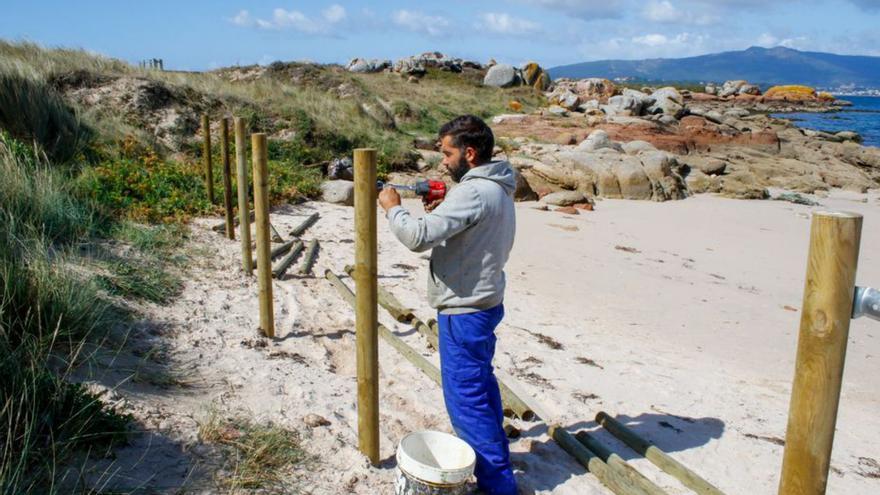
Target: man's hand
{"type": "Point", "coordinates": [389, 198]}
{"type": "Point", "coordinates": [429, 207]}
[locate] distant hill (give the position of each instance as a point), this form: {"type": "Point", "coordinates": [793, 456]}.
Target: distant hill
{"type": "Point", "coordinates": [766, 66]}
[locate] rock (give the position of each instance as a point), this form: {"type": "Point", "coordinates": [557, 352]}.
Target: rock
{"type": "Point", "coordinates": [584, 206]}
{"type": "Point", "coordinates": [791, 93]}
{"type": "Point", "coordinates": [412, 79]}
{"type": "Point", "coordinates": [362, 65]}
{"type": "Point", "coordinates": [588, 106]}
{"type": "Point", "coordinates": [379, 113]}
{"type": "Point", "coordinates": [698, 183]}
{"type": "Point", "coordinates": [595, 88]}
{"type": "Point", "coordinates": [849, 136]}
{"type": "Point", "coordinates": [410, 66]}
{"type": "Point", "coordinates": [598, 139]}
{"type": "Point", "coordinates": [731, 88]}
{"type": "Point", "coordinates": [797, 199]}
{"type": "Point", "coordinates": [631, 102]}
{"type": "Point", "coordinates": [742, 185]}
{"type": "Point", "coordinates": [667, 120]}
{"type": "Point", "coordinates": [632, 179]}
{"type": "Point", "coordinates": [314, 421]}
{"type": "Point", "coordinates": [565, 139]}
{"type": "Point", "coordinates": [636, 147]}
{"type": "Point", "coordinates": [339, 192]}
{"type": "Point", "coordinates": [564, 97]}
{"type": "Point", "coordinates": [568, 210]}
{"type": "Point", "coordinates": [711, 89]}
{"type": "Point", "coordinates": [500, 76]}
{"type": "Point", "coordinates": [712, 166]}
{"type": "Point", "coordinates": [524, 191]}
{"type": "Point", "coordinates": [736, 112]}
{"type": "Point", "coordinates": [509, 118]}
{"type": "Point", "coordinates": [565, 198]}
{"type": "Point", "coordinates": [535, 76]}
{"type": "Point", "coordinates": [749, 89]}
{"type": "Point", "coordinates": [667, 101]}
{"type": "Point", "coordinates": [558, 111]}
{"type": "Point", "coordinates": [662, 170]}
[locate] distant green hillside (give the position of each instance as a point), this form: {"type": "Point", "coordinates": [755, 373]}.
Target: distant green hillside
{"type": "Point", "coordinates": [759, 65]}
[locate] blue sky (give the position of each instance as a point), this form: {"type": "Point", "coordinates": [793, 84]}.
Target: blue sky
{"type": "Point", "coordinates": [194, 35]}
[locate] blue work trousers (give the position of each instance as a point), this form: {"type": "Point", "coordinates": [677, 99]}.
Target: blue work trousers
{"type": "Point", "coordinates": [467, 345]}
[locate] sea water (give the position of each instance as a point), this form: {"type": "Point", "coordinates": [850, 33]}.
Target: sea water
{"type": "Point", "coordinates": [862, 117]}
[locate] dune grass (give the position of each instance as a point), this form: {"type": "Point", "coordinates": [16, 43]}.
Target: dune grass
{"type": "Point", "coordinates": [47, 313]}
{"type": "Point", "coordinates": [258, 456]}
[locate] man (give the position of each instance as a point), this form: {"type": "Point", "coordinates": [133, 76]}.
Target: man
{"type": "Point", "coordinates": [471, 232]}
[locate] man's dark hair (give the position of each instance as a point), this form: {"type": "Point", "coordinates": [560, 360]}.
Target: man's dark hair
{"type": "Point", "coordinates": [469, 130]}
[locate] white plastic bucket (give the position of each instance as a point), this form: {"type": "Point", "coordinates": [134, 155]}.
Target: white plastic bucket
{"type": "Point", "coordinates": [439, 460]}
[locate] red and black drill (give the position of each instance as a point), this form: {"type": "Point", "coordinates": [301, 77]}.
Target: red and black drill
{"type": "Point", "coordinates": [428, 190]}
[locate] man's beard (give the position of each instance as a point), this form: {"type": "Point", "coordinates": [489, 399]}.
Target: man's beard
{"type": "Point", "coordinates": [460, 170]}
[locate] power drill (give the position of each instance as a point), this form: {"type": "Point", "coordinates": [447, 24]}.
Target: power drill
{"type": "Point", "coordinates": [429, 190]}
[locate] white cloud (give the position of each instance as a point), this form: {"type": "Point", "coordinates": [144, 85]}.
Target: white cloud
{"type": "Point", "coordinates": [665, 12]}
{"type": "Point", "coordinates": [294, 20]}
{"type": "Point", "coordinates": [506, 24]}
{"type": "Point", "coordinates": [584, 9]}
{"type": "Point", "coordinates": [334, 13]}
{"type": "Point", "coordinates": [243, 18]}
{"type": "Point", "coordinates": [767, 40]}
{"type": "Point", "coordinates": [651, 40]}
{"type": "Point", "coordinates": [419, 22]}
{"type": "Point", "coordinates": [662, 12]}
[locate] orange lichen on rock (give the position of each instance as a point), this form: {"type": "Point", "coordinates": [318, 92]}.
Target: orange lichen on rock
{"type": "Point", "coordinates": [826, 96]}
{"type": "Point", "coordinates": [791, 92]}
{"type": "Point", "coordinates": [514, 105]}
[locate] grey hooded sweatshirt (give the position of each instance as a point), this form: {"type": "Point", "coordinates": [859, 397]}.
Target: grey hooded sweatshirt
{"type": "Point", "coordinates": [471, 233]}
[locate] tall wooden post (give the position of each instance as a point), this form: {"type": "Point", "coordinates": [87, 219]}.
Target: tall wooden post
{"type": "Point", "coordinates": [244, 224]}
{"type": "Point", "coordinates": [824, 328]}
{"type": "Point", "coordinates": [206, 156]}
{"type": "Point", "coordinates": [366, 309]}
{"type": "Point", "coordinates": [261, 209]}
{"type": "Point", "coordinates": [227, 177]}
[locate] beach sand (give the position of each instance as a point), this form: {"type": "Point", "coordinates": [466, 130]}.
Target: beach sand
{"type": "Point", "coordinates": [680, 318]}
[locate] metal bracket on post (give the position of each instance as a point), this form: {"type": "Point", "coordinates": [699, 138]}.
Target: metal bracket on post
{"type": "Point", "coordinates": [866, 302]}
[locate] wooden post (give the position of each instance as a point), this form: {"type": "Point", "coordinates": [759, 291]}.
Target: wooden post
{"type": "Point", "coordinates": [261, 207]}
{"type": "Point", "coordinates": [227, 177]}
{"type": "Point", "coordinates": [657, 457]}
{"type": "Point", "coordinates": [366, 310]}
{"type": "Point", "coordinates": [825, 316]}
{"type": "Point", "coordinates": [206, 156]}
{"type": "Point", "coordinates": [242, 185]}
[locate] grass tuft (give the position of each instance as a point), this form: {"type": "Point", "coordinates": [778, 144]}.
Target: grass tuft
{"type": "Point", "coordinates": [257, 456]}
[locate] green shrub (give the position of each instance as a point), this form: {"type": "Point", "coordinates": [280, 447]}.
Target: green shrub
{"type": "Point", "coordinates": [146, 188]}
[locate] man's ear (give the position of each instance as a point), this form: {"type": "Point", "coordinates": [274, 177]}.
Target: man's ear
{"type": "Point", "coordinates": [470, 154]}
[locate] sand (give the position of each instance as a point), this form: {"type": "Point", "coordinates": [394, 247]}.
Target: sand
{"type": "Point", "coordinates": [679, 317]}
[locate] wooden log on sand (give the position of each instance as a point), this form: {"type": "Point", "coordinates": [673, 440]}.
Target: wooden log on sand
{"type": "Point", "coordinates": [660, 459]}
{"type": "Point", "coordinates": [308, 222]}
{"type": "Point", "coordinates": [288, 260]}
{"type": "Point", "coordinates": [615, 481]}
{"type": "Point", "coordinates": [387, 300]}
{"type": "Point", "coordinates": [309, 260]}
{"type": "Point", "coordinates": [405, 350]}
{"type": "Point", "coordinates": [278, 251]}
{"type": "Point", "coordinates": [617, 463]}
